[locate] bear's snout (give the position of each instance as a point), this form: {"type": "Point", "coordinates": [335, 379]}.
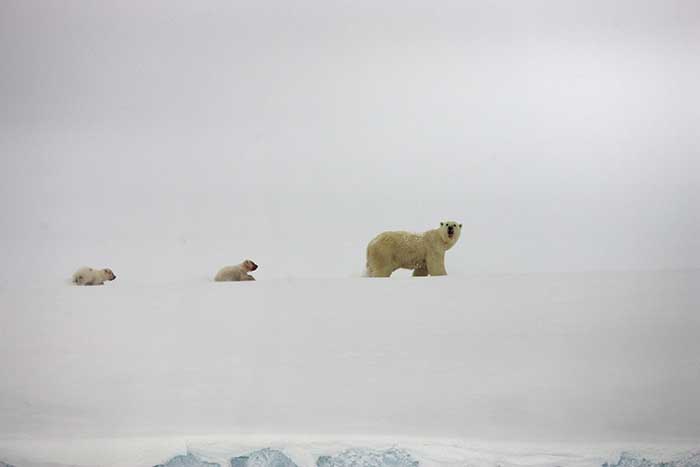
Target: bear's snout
{"type": "Point", "coordinates": [450, 231]}
{"type": "Point", "coordinates": [253, 266]}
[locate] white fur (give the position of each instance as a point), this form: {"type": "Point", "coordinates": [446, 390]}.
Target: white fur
{"type": "Point", "coordinates": [424, 253]}
{"type": "Point", "coordinates": [89, 276]}
{"type": "Point", "coordinates": [237, 273]}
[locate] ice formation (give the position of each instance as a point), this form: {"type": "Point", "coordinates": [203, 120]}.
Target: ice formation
{"type": "Point", "coordinates": [188, 460]}
{"type": "Point", "coordinates": [263, 458]}
{"type": "Point", "coordinates": [630, 460]}
{"type": "Point", "coordinates": [357, 457]}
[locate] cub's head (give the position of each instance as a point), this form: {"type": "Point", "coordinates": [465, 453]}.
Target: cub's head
{"type": "Point", "coordinates": [109, 275]}
{"type": "Point", "coordinates": [450, 230]}
{"type": "Point", "coordinates": [248, 265]}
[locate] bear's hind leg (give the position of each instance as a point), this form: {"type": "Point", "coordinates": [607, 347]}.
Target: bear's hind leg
{"type": "Point", "coordinates": [379, 272]}
{"type": "Point", "coordinates": [378, 267]}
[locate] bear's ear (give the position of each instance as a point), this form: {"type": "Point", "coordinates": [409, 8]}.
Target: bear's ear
{"type": "Point", "coordinates": [442, 223]}
{"type": "Point", "coordinates": [460, 226]}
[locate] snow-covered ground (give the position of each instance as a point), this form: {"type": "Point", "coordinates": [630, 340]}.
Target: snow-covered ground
{"type": "Point", "coordinates": [131, 374]}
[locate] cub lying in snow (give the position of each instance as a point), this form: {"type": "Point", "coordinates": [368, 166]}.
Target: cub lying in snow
{"type": "Point", "coordinates": [237, 273]}
{"type": "Point", "coordinates": [89, 276]}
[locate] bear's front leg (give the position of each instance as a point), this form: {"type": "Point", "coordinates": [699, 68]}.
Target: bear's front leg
{"type": "Point", "coordinates": [436, 264]}
{"type": "Point", "coordinates": [421, 271]}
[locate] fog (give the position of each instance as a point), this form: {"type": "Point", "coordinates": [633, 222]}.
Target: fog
{"type": "Point", "coordinates": [561, 134]}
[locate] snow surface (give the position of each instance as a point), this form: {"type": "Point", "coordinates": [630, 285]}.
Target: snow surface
{"type": "Point", "coordinates": [543, 357]}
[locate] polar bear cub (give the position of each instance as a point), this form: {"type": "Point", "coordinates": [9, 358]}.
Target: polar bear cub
{"type": "Point", "coordinates": [89, 276]}
{"type": "Point", "coordinates": [424, 252]}
{"type": "Point", "coordinates": [237, 273]}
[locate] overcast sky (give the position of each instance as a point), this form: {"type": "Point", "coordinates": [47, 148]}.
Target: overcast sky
{"type": "Point", "coordinates": [563, 134]}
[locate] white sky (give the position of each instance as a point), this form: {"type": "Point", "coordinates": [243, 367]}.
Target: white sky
{"type": "Point", "coordinates": [563, 134]}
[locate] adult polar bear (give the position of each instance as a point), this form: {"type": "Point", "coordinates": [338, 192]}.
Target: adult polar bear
{"type": "Point", "coordinates": [424, 253]}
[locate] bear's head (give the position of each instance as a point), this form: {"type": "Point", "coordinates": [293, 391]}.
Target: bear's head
{"type": "Point", "coordinates": [449, 231]}
{"type": "Point", "coordinates": [109, 275]}
{"type": "Point", "coordinates": [248, 265]}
